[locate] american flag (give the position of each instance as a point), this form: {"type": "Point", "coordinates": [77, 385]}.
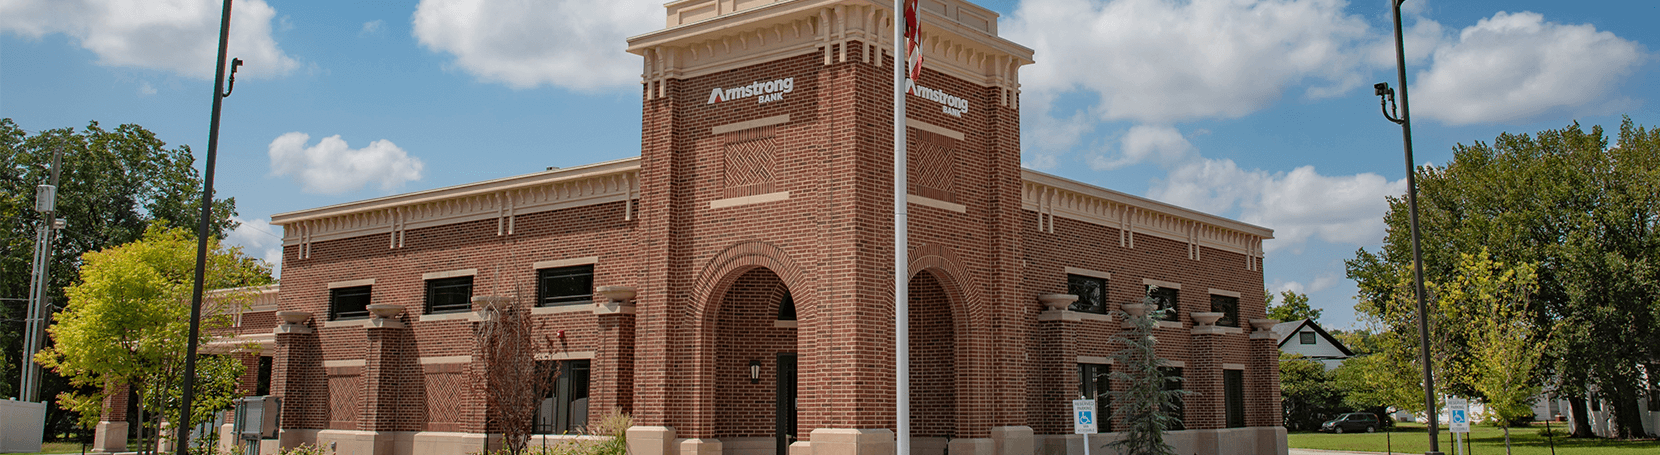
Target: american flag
{"type": "Point", "coordinates": [913, 42]}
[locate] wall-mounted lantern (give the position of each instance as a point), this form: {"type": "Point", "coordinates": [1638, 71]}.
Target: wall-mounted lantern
{"type": "Point", "coordinates": [755, 372]}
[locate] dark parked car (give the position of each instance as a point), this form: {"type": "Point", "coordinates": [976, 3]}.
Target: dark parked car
{"type": "Point", "coordinates": [1351, 422]}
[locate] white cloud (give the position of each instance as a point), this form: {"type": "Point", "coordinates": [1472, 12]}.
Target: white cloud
{"type": "Point", "coordinates": [372, 27]}
{"type": "Point", "coordinates": [258, 239]}
{"type": "Point", "coordinates": [181, 36]}
{"type": "Point", "coordinates": [1516, 67]}
{"type": "Point", "coordinates": [144, 88]}
{"type": "Point", "coordinates": [331, 167]}
{"type": "Point", "coordinates": [1298, 205]}
{"type": "Point", "coordinates": [1162, 144]}
{"type": "Point", "coordinates": [1158, 61]}
{"type": "Point", "coordinates": [566, 43]}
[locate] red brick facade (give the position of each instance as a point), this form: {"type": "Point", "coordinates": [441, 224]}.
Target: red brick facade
{"type": "Point", "coordinates": [736, 203]}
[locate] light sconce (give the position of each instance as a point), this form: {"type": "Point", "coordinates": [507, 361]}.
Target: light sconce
{"type": "Point", "coordinates": [755, 372]}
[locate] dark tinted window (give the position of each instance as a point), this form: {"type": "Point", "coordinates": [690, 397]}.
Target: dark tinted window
{"type": "Point", "coordinates": [786, 307]}
{"type": "Point", "coordinates": [348, 303]}
{"type": "Point", "coordinates": [1093, 384]}
{"type": "Point", "coordinates": [1302, 338]}
{"type": "Point", "coordinates": [565, 285]}
{"type": "Point", "coordinates": [450, 295]}
{"type": "Point", "coordinates": [1167, 299]}
{"type": "Point", "coordinates": [1233, 390]}
{"type": "Point", "coordinates": [564, 409]}
{"type": "Point", "coordinates": [1091, 292]}
{"type": "Point", "coordinates": [1228, 306]}
{"type": "Point", "coordinates": [262, 386]}
{"type": "Point", "coordinates": [1173, 381]}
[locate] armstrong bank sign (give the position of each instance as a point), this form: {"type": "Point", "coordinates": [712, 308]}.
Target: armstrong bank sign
{"type": "Point", "coordinates": [769, 91]}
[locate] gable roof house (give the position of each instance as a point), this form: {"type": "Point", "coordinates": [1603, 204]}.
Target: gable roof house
{"type": "Point", "coordinates": [1306, 337]}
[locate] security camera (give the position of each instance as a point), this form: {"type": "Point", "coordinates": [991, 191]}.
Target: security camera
{"type": "Point", "coordinates": [1383, 88]}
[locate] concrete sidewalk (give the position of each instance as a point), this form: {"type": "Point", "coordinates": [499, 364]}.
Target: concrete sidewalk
{"type": "Point", "coordinates": [1334, 452]}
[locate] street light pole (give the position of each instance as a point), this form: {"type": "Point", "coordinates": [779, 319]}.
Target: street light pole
{"type": "Point", "coordinates": [1405, 120]}
{"type": "Point", "coordinates": [35, 317]}
{"type": "Point", "coordinates": [183, 440]}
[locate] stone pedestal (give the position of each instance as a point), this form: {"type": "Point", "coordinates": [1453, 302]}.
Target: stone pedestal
{"type": "Point", "coordinates": [646, 440]}
{"type": "Point", "coordinates": [846, 441]}
{"type": "Point", "coordinates": [1015, 440]}
{"type": "Point", "coordinates": [109, 437]}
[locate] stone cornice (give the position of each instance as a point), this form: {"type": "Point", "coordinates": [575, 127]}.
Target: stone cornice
{"type": "Point", "coordinates": [1051, 196]}
{"type": "Point", "coordinates": [501, 199]}
{"type": "Point", "coordinates": [710, 36]}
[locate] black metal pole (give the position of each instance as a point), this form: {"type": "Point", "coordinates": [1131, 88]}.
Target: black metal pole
{"type": "Point", "coordinates": [182, 446]}
{"type": "Point", "coordinates": [1417, 251]}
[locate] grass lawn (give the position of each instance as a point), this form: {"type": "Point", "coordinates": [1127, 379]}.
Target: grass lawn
{"type": "Point", "coordinates": [1484, 440]}
{"type": "Point", "coordinates": [61, 447]}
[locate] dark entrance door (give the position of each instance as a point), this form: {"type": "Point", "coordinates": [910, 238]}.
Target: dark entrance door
{"type": "Point", "coordinates": [785, 410]}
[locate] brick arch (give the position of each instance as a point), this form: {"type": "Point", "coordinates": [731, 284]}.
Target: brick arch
{"type": "Point", "coordinates": [970, 320]}
{"type": "Point", "coordinates": [701, 318]}
{"type": "Point", "coordinates": [725, 268]}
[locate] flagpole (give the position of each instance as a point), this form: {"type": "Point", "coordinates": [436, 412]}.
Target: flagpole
{"type": "Point", "coordinates": [901, 247]}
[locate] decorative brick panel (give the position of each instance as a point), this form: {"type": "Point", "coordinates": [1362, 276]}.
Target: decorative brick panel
{"type": "Point", "coordinates": [749, 161]}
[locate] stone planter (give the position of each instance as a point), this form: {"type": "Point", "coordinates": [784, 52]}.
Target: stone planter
{"type": "Point", "coordinates": [385, 310]}
{"type": "Point", "coordinates": [1057, 302]}
{"type": "Point", "coordinates": [1264, 325]}
{"type": "Point", "coordinates": [1205, 318]}
{"type": "Point", "coordinates": [617, 293]}
{"type": "Point", "coordinates": [1137, 309]}
{"type": "Point", "coordinates": [293, 317]}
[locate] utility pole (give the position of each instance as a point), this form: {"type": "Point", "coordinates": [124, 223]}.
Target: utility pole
{"type": "Point", "coordinates": [34, 332]}
{"type": "Point", "coordinates": [189, 392]}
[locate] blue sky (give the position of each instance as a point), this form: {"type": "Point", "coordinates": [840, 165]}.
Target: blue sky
{"type": "Point", "coordinates": [1261, 110]}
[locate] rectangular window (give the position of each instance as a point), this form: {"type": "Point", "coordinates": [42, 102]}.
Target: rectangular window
{"type": "Point", "coordinates": [565, 285]}
{"type": "Point", "coordinates": [349, 303]}
{"type": "Point", "coordinates": [1167, 299]}
{"type": "Point", "coordinates": [1091, 292]}
{"type": "Point", "coordinates": [1228, 306]}
{"type": "Point", "coordinates": [450, 295]}
{"type": "Point", "coordinates": [1094, 384]}
{"type": "Point", "coordinates": [1175, 408]}
{"type": "Point", "coordinates": [1233, 389]}
{"type": "Point", "coordinates": [262, 384]}
{"type": "Point", "coordinates": [1305, 337]}
{"type": "Point", "coordinates": [564, 410]}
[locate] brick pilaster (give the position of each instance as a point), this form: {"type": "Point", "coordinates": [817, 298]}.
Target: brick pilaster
{"type": "Point", "coordinates": [1262, 381]}
{"type": "Point", "coordinates": [392, 396]}
{"type": "Point", "coordinates": [298, 377]}
{"type": "Point", "coordinates": [1203, 377]}
{"type": "Point", "coordinates": [612, 374]}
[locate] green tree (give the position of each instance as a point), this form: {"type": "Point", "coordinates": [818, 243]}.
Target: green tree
{"type": "Point", "coordinates": [1505, 348]}
{"type": "Point", "coordinates": [1586, 213]}
{"type": "Point", "coordinates": [1309, 394]}
{"type": "Point", "coordinates": [1292, 307]}
{"type": "Point", "coordinates": [112, 184]}
{"type": "Point", "coordinates": [1146, 405]}
{"type": "Point", "coordinates": [127, 325]}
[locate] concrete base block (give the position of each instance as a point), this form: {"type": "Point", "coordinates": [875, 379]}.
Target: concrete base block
{"type": "Point", "coordinates": [801, 448]}
{"type": "Point", "coordinates": [109, 437]}
{"type": "Point", "coordinates": [848, 441]}
{"type": "Point", "coordinates": [748, 446]}
{"type": "Point", "coordinates": [289, 438]}
{"type": "Point", "coordinates": [695, 446]}
{"type": "Point", "coordinates": [648, 440]}
{"type": "Point", "coordinates": [972, 446]}
{"type": "Point", "coordinates": [1017, 440]}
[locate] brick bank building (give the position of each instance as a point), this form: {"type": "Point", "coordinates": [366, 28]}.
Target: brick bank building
{"type": "Point", "coordinates": [731, 288]}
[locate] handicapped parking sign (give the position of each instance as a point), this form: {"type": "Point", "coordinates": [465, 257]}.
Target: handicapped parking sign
{"type": "Point", "coordinates": [1083, 416]}
{"type": "Point", "coordinates": [1458, 415]}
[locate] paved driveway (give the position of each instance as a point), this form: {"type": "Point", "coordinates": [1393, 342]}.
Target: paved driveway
{"type": "Point", "coordinates": [1331, 452]}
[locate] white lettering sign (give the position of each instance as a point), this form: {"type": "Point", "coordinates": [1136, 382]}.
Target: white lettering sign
{"type": "Point", "coordinates": [1458, 415]}
{"type": "Point", "coordinates": [954, 106]}
{"type": "Point", "coordinates": [767, 91]}
{"type": "Point", "coordinates": [1083, 417]}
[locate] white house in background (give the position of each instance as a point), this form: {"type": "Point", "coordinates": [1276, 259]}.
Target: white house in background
{"type": "Point", "coordinates": [1307, 338]}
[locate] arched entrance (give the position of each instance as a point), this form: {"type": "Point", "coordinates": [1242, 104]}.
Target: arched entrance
{"type": "Point", "coordinates": [933, 336]}
{"type": "Point", "coordinates": [755, 364]}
